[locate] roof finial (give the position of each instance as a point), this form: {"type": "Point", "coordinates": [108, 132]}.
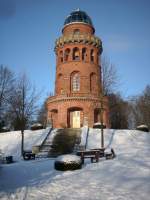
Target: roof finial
{"type": "Point", "coordinates": [78, 9]}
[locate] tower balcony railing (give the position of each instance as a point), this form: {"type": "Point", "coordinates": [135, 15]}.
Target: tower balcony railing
{"type": "Point", "coordinates": [80, 38]}
{"type": "Point", "coordinates": [80, 94]}
{"type": "Point", "coordinates": [73, 95]}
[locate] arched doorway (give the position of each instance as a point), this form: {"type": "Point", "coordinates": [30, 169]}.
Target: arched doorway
{"type": "Point", "coordinates": [75, 117]}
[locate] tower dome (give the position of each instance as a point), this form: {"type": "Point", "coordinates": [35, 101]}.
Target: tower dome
{"type": "Point", "coordinates": [78, 16]}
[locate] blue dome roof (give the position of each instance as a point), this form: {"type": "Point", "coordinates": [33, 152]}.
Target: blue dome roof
{"type": "Point", "coordinates": [78, 16]}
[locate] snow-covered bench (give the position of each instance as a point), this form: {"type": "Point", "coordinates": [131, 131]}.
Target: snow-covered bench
{"type": "Point", "coordinates": [93, 154]}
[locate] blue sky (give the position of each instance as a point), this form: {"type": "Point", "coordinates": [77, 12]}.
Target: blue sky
{"type": "Point", "coordinates": [29, 28]}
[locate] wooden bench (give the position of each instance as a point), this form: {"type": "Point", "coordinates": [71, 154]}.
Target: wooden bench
{"type": "Point", "coordinates": [101, 152]}
{"type": "Point", "coordinates": [28, 155]}
{"type": "Point", "coordinates": [93, 154]}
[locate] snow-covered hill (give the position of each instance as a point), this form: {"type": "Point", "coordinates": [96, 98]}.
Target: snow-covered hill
{"type": "Point", "coordinates": [10, 142]}
{"type": "Point", "coordinates": [125, 177]}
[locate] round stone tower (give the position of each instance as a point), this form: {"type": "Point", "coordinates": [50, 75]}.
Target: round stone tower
{"type": "Point", "coordinates": [77, 99]}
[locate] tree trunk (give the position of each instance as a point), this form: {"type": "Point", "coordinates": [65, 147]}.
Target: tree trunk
{"type": "Point", "coordinates": [22, 142]}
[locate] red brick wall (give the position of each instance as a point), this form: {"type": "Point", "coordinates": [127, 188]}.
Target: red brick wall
{"type": "Point", "coordinates": [62, 105]}
{"type": "Point", "coordinates": [84, 28]}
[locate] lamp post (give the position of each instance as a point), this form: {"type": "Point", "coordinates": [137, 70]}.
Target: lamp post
{"type": "Point", "coordinates": [101, 120]}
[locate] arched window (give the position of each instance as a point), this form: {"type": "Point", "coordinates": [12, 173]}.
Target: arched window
{"type": "Point", "coordinates": [76, 82]}
{"type": "Point", "coordinates": [98, 58]}
{"type": "Point", "coordinates": [84, 54]}
{"type": "Point", "coordinates": [61, 56]}
{"type": "Point", "coordinates": [92, 55]}
{"type": "Point", "coordinates": [93, 84]}
{"type": "Point", "coordinates": [67, 52]}
{"type": "Point", "coordinates": [59, 83]}
{"type": "Point", "coordinates": [76, 54]}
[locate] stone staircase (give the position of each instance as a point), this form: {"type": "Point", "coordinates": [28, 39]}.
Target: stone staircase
{"type": "Point", "coordinates": [45, 146]}
{"type": "Point", "coordinates": [65, 142]}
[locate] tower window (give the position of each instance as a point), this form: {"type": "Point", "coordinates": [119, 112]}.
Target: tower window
{"type": "Point", "coordinates": [84, 54]}
{"type": "Point", "coordinates": [97, 58]}
{"type": "Point", "coordinates": [61, 56]}
{"type": "Point", "coordinates": [76, 54]}
{"type": "Point", "coordinates": [92, 55]}
{"type": "Point", "coordinates": [67, 52]}
{"type": "Point", "coordinates": [76, 82]}
{"type": "Point", "coordinates": [93, 81]}
{"type": "Point", "coordinates": [59, 83]}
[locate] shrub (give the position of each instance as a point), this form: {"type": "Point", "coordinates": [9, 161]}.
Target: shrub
{"type": "Point", "coordinates": [143, 127]}
{"type": "Point", "coordinates": [4, 129]}
{"type": "Point", "coordinates": [99, 125]}
{"type": "Point", "coordinates": [36, 126]}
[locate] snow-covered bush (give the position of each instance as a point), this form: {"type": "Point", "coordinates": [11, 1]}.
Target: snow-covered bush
{"type": "Point", "coordinates": [143, 127]}
{"type": "Point", "coordinates": [68, 162]}
{"type": "Point", "coordinates": [5, 129]}
{"type": "Point", "coordinates": [99, 125]}
{"type": "Point", "coordinates": [36, 126]}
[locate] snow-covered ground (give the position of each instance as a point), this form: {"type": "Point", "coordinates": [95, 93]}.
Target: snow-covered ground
{"type": "Point", "coordinates": [10, 142]}
{"type": "Point", "coordinates": [127, 177]}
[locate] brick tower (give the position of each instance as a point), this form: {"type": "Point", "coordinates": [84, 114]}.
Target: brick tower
{"type": "Point", "coordinates": [78, 75]}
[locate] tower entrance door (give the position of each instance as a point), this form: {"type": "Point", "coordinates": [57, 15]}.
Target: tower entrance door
{"type": "Point", "coordinates": [76, 119]}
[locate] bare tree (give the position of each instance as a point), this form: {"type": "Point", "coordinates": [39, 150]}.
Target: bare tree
{"type": "Point", "coordinates": [42, 115]}
{"type": "Point", "coordinates": [109, 82]}
{"type": "Point", "coordinates": [109, 76]}
{"type": "Point", "coordinates": [119, 112]}
{"type": "Point", "coordinates": [6, 85]}
{"type": "Point", "coordinates": [23, 105]}
{"type": "Point", "coordinates": [141, 107]}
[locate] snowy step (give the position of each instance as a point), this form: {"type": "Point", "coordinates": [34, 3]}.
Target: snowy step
{"type": "Point", "coordinates": [65, 141]}
{"type": "Point", "coordinates": [47, 143]}
{"type": "Point", "coordinates": [42, 155]}
{"type": "Point", "coordinates": [45, 149]}
{"type": "Point", "coordinates": [45, 146]}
